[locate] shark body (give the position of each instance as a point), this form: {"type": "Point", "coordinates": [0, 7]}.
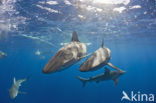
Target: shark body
{"type": "Point", "coordinates": [66, 56]}
{"type": "Point", "coordinates": [107, 75]}
{"type": "Point", "coordinates": [14, 90]}
{"type": "Point", "coordinates": [98, 59]}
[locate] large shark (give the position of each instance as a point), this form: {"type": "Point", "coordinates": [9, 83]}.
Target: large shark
{"type": "Point", "coordinates": [66, 56]}
{"type": "Point", "coordinates": [14, 90]}
{"type": "Point", "coordinates": [99, 58]}
{"type": "Point", "coordinates": [2, 54]}
{"type": "Point", "coordinates": [107, 75]}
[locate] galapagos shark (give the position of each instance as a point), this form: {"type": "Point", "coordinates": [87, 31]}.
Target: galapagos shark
{"type": "Point", "coordinates": [14, 90]}
{"type": "Point", "coordinates": [66, 56]}
{"type": "Point", "coordinates": [98, 59]}
{"type": "Point", "coordinates": [107, 75]}
{"type": "Point", "coordinates": [2, 54]}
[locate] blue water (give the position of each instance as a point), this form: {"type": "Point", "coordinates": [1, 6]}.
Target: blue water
{"type": "Point", "coordinates": [26, 28]}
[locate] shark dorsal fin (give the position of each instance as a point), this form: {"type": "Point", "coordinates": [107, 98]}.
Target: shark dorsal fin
{"type": "Point", "coordinates": [107, 71]}
{"type": "Point", "coordinates": [102, 45]}
{"type": "Point", "coordinates": [14, 80]}
{"type": "Point", "coordinates": [75, 37]}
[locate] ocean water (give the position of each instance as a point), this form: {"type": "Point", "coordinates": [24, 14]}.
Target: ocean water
{"type": "Point", "coordinates": [27, 27]}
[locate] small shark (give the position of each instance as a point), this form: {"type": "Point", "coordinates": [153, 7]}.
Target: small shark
{"type": "Point", "coordinates": [14, 90]}
{"type": "Point", "coordinates": [99, 58]}
{"type": "Point", "coordinates": [2, 54]}
{"type": "Point", "coordinates": [107, 75]}
{"type": "Point", "coordinates": [42, 54]}
{"type": "Point", "coordinates": [38, 52]}
{"type": "Point", "coordinates": [66, 56]}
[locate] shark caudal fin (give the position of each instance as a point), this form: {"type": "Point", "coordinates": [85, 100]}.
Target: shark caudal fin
{"type": "Point", "coordinates": [28, 77]}
{"type": "Point", "coordinates": [25, 79]}
{"type": "Point", "coordinates": [83, 80]}
{"type": "Point", "coordinates": [75, 37]}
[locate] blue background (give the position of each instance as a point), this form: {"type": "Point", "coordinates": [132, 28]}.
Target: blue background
{"type": "Point", "coordinates": [132, 48]}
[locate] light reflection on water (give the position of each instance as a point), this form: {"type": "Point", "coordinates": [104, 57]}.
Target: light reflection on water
{"type": "Point", "coordinates": [110, 19]}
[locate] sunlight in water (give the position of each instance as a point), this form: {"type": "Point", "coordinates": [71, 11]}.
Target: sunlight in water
{"type": "Point", "coordinates": [125, 2]}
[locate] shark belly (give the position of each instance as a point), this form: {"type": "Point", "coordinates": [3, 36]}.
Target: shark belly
{"type": "Point", "coordinates": [13, 91]}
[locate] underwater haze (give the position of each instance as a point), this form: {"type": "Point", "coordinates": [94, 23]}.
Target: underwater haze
{"type": "Point", "coordinates": [32, 31]}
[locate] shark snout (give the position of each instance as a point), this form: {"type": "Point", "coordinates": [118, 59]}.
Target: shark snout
{"type": "Point", "coordinates": [83, 70]}
{"type": "Point", "coordinates": [52, 66]}
{"type": "Point", "coordinates": [47, 69]}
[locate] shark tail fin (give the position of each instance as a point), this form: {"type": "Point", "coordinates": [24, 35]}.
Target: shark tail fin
{"type": "Point", "coordinates": [22, 92]}
{"type": "Point", "coordinates": [83, 80]}
{"type": "Point", "coordinates": [75, 37]}
{"type": "Point", "coordinates": [28, 77]}
{"type": "Point", "coordinates": [25, 79]}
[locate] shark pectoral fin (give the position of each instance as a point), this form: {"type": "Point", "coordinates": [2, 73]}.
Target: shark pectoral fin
{"type": "Point", "coordinates": [85, 56]}
{"type": "Point", "coordinates": [116, 81]}
{"type": "Point", "coordinates": [111, 65]}
{"type": "Point", "coordinates": [88, 54]}
{"type": "Point", "coordinates": [22, 92]}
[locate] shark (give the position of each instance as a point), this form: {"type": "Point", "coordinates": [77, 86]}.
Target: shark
{"type": "Point", "coordinates": [98, 59]}
{"type": "Point", "coordinates": [2, 54]}
{"type": "Point", "coordinates": [14, 90]}
{"type": "Point", "coordinates": [41, 54]}
{"type": "Point", "coordinates": [66, 56]}
{"type": "Point", "coordinates": [107, 75]}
